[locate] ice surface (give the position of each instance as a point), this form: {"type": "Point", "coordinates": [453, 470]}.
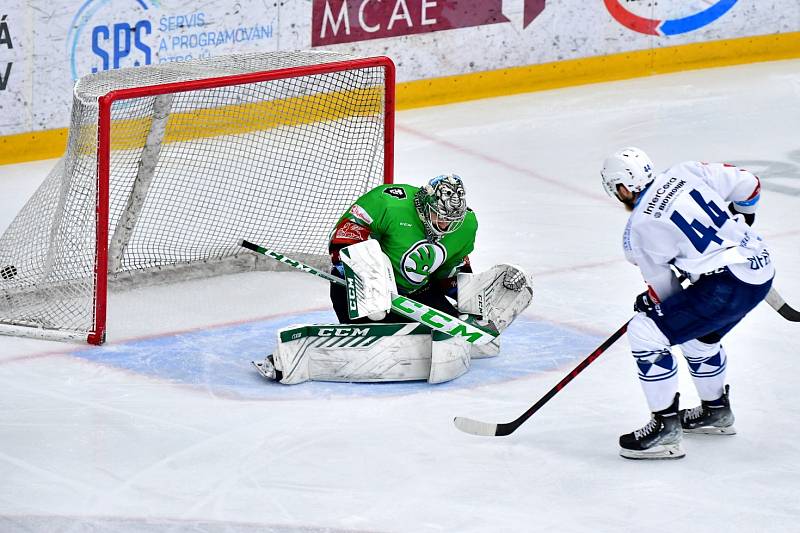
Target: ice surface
{"type": "Point", "coordinates": [167, 428]}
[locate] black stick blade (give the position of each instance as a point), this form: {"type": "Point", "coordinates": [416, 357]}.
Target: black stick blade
{"type": "Point", "coordinates": [789, 314]}
{"type": "Point", "coordinates": [785, 310]}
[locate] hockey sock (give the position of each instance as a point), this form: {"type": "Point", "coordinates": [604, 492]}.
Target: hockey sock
{"type": "Point", "coordinates": [707, 365]}
{"type": "Point", "coordinates": [658, 372]}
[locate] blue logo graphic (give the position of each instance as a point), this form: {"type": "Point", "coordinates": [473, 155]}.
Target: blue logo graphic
{"type": "Point", "coordinates": [121, 44]}
{"type": "Point", "coordinates": [106, 34]}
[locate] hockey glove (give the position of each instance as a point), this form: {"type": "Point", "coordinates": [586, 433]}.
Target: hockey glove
{"type": "Point", "coordinates": [749, 218]}
{"type": "Point", "coordinates": [643, 303]}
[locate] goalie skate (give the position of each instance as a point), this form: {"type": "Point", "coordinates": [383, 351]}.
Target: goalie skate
{"type": "Point", "coordinates": [267, 369]}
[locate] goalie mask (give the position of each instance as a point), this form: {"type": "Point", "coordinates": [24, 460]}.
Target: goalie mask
{"type": "Point", "coordinates": [441, 205]}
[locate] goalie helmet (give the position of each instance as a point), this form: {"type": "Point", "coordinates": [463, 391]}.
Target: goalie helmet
{"type": "Point", "coordinates": [441, 205]}
{"type": "Point", "coordinates": [629, 167]}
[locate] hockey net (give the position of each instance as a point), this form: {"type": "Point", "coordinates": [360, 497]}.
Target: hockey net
{"type": "Point", "coordinates": [168, 167]}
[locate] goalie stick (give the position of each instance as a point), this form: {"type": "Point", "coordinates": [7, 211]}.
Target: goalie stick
{"type": "Point", "coordinates": [401, 305]}
{"type": "Point", "coordinates": [786, 311]}
{"type": "Point", "coordinates": [487, 429]}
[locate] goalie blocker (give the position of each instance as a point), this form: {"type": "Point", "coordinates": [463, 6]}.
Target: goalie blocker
{"type": "Point", "coordinates": [396, 352]}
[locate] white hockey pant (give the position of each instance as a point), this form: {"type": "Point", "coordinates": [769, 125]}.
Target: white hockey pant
{"type": "Point", "coordinates": [658, 369]}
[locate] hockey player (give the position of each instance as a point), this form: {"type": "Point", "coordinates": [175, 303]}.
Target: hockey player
{"type": "Point", "coordinates": [414, 241]}
{"type": "Point", "coordinates": [427, 233]}
{"type": "Point", "coordinates": [694, 218]}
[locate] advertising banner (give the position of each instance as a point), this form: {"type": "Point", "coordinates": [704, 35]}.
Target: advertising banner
{"type": "Point", "coordinates": [46, 45]}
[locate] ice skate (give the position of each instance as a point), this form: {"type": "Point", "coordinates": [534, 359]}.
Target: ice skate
{"type": "Point", "coordinates": [658, 439]}
{"type": "Point", "coordinates": [267, 369]}
{"type": "Point", "coordinates": [710, 417]}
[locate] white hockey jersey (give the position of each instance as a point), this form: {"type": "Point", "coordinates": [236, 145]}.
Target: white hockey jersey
{"type": "Point", "coordinates": [682, 219]}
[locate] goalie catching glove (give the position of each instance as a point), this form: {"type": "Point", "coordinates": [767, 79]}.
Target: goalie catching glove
{"type": "Point", "coordinates": [370, 280]}
{"type": "Point", "coordinates": [498, 295]}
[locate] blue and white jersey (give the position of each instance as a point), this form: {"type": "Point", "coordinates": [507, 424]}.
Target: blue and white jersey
{"type": "Point", "coordinates": [682, 219]}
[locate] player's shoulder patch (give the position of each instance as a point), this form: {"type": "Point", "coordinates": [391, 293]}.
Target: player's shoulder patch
{"type": "Point", "coordinates": [397, 192]}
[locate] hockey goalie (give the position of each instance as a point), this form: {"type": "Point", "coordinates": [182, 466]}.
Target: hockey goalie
{"type": "Point", "coordinates": [412, 241]}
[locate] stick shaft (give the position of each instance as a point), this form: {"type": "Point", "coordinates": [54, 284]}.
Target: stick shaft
{"type": "Point", "coordinates": [476, 427]}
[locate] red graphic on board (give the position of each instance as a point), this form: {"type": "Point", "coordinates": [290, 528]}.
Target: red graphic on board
{"type": "Point", "coordinates": [533, 8]}
{"type": "Point", "coordinates": [345, 21]}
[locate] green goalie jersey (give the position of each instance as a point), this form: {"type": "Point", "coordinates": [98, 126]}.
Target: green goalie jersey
{"type": "Point", "coordinates": [388, 212]}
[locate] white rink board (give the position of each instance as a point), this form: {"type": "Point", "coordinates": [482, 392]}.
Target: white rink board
{"type": "Point", "coordinates": [53, 43]}
{"type": "Point", "coordinates": [167, 428]}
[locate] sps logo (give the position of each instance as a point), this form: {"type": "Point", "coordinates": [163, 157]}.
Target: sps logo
{"type": "Point", "coordinates": [685, 18]}
{"type": "Point", "coordinates": [104, 37]}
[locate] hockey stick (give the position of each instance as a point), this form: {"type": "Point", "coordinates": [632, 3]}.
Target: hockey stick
{"type": "Point", "coordinates": [486, 429]}
{"type": "Point", "coordinates": [401, 305]}
{"type": "Point", "coordinates": [786, 311]}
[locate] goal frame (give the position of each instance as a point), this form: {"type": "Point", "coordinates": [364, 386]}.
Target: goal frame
{"type": "Point", "coordinates": [97, 334]}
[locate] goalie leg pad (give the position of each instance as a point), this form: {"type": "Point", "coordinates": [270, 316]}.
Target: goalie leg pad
{"type": "Point", "coordinates": [450, 357]}
{"type": "Point", "coordinates": [357, 353]}
{"type": "Point", "coordinates": [484, 351]}
{"type": "Point", "coordinates": [487, 295]}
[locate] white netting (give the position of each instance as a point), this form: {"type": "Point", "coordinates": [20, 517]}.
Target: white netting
{"type": "Point", "coordinates": [192, 173]}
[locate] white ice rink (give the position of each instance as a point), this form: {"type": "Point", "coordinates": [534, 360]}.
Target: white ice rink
{"type": "Point", "coordinates": [166, 428]}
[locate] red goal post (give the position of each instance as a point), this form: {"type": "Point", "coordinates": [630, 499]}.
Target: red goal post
{"type": "Point", "coordinates": [187, 167]}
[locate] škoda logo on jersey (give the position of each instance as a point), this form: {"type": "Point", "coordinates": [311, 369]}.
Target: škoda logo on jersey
{"type": "Point", "coordinates": [673, 16]}
{"type": "Point", "coordinates": [422, 260]}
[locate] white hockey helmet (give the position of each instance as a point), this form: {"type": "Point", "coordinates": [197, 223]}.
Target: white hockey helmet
{"type": "Point", "coordinates": [629, 167]}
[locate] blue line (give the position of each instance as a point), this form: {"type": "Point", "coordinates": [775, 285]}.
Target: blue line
{"type": "Point", "coordinates": [698, 20]}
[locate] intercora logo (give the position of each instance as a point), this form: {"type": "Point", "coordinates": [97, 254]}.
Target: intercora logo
{"type": "Point", "coordinates": [667, 17]}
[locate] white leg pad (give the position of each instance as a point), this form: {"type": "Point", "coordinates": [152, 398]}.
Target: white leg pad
{"type": "Point", "coordinates": [484, 351]}
{"type": "Point", "coordinates": [353, 353]}
{"type": "Point", "coordinates": [450, 358]}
